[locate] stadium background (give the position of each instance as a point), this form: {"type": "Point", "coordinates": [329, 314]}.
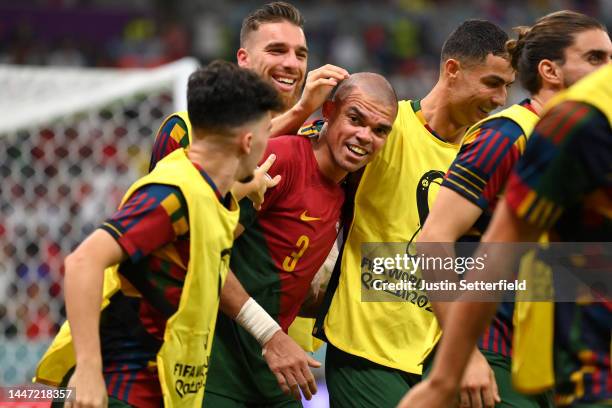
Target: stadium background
{"type": "Point", "coordinates": [73, 138]}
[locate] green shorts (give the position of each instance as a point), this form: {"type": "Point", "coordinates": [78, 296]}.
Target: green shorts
{"type": "Point", "coordinates": [214, 400]}
{"type": "Point", "coordinates": [357, 382]}
{"type": "Point", "coordinates": [502, 368]}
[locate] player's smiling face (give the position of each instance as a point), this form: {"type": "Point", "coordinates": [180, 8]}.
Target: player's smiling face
{"type": "Point", "coordinates": [479, 88]}
{"type": "Point", "coordinates": [357, 128]}
{"type": "Point", "coordinates": [592, 49]}
{"type": "Point", "coordinates": [278, 53]}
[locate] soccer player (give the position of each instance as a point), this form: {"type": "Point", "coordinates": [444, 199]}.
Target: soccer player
{"type": "Point", "coordinates": [272, 43]}
{"type": "Point", "coordinates": [549, 56]}
{"type": "Point", "coordinates": [561, 185]}
{"type": "Point", "coordinates": [286, 242]}
{"type": "Point", "coordinates": [170, 241]}
{"type": "Point", "coordinates": [375, 348]}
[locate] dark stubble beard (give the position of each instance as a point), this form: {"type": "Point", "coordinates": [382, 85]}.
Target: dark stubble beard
{"type": "Point", "coordinates": [290, 100]}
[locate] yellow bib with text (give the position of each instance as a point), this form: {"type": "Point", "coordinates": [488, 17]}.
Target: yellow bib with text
{"type": "Point", "coordinates": [392, 201]}
{"type": "Point", "coordinates": [182, 360]}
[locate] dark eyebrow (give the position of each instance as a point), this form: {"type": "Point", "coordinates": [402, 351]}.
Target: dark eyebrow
{"type": "Point", "coordinates": [385, 126]}
{"type": "Point", "coordinates": [597, 53]}
{"type": "Point", "coordinates": [279, 44]}
{"type": "Point", "coordinates": [356, 111]}
{"type": "Point", "coordinates": [497, 78]}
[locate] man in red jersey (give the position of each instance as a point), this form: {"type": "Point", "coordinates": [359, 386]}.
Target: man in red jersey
{"type": "Point", "coordinates": [284, 244]}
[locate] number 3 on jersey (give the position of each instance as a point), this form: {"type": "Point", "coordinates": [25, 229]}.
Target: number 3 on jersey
{"type": "Point", "coordinates": [291, 261]}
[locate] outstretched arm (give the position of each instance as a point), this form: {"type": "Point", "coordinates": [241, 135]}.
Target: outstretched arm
{"type": "Point", "coordinates": [286, 359]}
{"type": "Point", "coordinates": [83, 285]}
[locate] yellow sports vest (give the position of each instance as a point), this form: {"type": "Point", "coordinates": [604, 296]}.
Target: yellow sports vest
{"type": "Point", "coordinates": [532, 361]}
{"type": "Point", "coordinates": [394, 195]}
{"type": "Point", "coordinates": [301, 332]}
{"type": "Point", "coordinates": [520, 115]}
{"type": "Point", "coordinates": [182, 361]}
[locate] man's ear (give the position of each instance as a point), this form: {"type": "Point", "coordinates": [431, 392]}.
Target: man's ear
{"type": "Point", "coordinates": [245, 142]}
{"type": "Point", "coordinates": [550, 73]}
{"type": "Point", "coordinates": [242, 57]}
{"type": "Point", "coordinates": [328, 109]}
{"type": "Point", "coordinates": [452, 68]}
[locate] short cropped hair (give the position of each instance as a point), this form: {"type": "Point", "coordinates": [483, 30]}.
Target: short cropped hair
{"type": "Point", "coordinates": [270, 13]}
{"type": "Point", "coordinates": [546, 39]}
{"type": "Point", "coordinates": [473, 40]}
{"type": "Point", "coordinates": [223, 96]}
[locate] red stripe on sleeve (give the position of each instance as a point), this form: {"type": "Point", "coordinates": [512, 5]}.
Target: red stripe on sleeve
{"type": "Point", "coordinates": [481, 138]}
{"type": "Point", "coordinates": [569, 123]}
{"type": "Point", "coordinates": [496, 155]}
{"type": "Point", "coordinates": [492, 142]}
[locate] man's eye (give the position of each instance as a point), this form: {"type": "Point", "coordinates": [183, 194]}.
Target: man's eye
{"type": "Point", "coordinates": [595, 59]}
{"type": "Point", "coordinates": [492, 83]}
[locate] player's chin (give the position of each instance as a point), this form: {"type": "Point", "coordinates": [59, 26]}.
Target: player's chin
{"type": "Point", "coordinates": [289, 98]}
{"type": "Point", "coordinates": [354, 165]}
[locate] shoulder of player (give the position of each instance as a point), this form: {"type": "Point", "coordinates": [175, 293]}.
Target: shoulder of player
{"type": "Point", "coordinates": [571, 118]}
{"type": "Point", "coordinates": [291, 153]}
{"type": "Point", "coordinates": [174, 126]}
{"type": "Point", "coordinates": [404, 108]}
{"type": "Point", "coordinates": [588, 131]}
{"type": "Point", "coordinates": [289, 148]}
{"type": "Point", "coordinates": [159, 193]}
{"type": "Point", "coordinates": [404, 114]}
{"type": "Point", "coordinates": [500, 127]}
{"type": "Point", "coordinates": [580, 114]}
{"type": "Point", "coordinates": [173, 120]}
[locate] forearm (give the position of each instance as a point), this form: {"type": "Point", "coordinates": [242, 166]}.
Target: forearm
{"type": "Point", "coordinates": [289, 122]}
{"type": "Point", "coordinates": [441, 311]}
{"type": "Point", "coordinates": [466, 321]}
{"type": "Point", "coordinates": [233, 296]}
{"type": "Point", "coordinates": [83, 285]}
{"type": "Point", "coordinates": [237, 304]}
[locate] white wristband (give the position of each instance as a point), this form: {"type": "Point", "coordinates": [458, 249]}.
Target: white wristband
{"type": "Point", "coordinates": [254, 319]}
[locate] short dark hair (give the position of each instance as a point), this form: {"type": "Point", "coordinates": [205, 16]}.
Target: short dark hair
{"type": "Point", "coordinates": [546, 39]}
{"type": "Point", "coordinates": [473, 40]}
{"type": "Point", "coordinates": [270, 13]}
{"type": "Point", "coordinates": [223, 96]}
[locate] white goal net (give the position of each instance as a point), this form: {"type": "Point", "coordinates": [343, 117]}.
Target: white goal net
{"type": "Point", "coordinates": [71, 143]}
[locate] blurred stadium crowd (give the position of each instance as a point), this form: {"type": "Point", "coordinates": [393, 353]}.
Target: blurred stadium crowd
{"type": "Point", "coordinates": [398, 38]}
